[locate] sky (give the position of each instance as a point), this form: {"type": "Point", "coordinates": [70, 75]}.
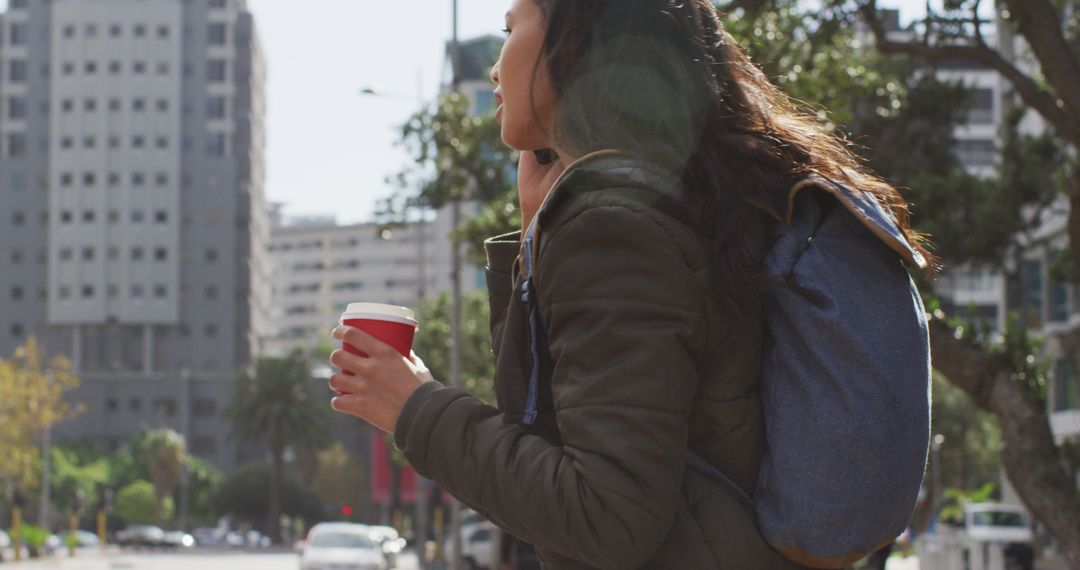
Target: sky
{"type": "Point", "coordinates": [329, 147]}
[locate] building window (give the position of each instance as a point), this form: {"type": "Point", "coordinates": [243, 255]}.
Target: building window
{"type": "Point", "coordinates": [217, 3]}
{"type": "Point", "coordinates": [161, 291]}
{"type": "Point", "coordinates": [161, 143]}
{"type": "Point", "coordinates": [116, 30]}
{"type": "Point", "coordinates": [162, 105]}
{"type": "Point", "coordinates": [211, 255]}
{"type": "Point", "coordinates": [69, 32]}
{"type": "Point", "coordinates": [204, 408]}
{"type": "Point", "coordinates": [134, 405]}
{"type": "Point", "coordinates": [112, 405]}
{"type": "Point", "coordinates": [215, 145]}
{"type": "Point", "coordinates": [163, 68]}
{"type": "Point", "coordinates": [211, 292]}
{"type": "Point", "coordinates": [68, 68]}
{"type": "Point", "coordinates": [981, 109]}
{"type": "Point", "coordinates": [114, 253]}
{"type": "Point", "coordinates": [137, 216]}
{"type": "Point", "coordinates": [215, 34]}
{"type": "Point", "coordinates": [88, 254]}
{"type": "Point", "coordinates": [16, 293]}
{"type": "Point", "coordinates": [1032, 278]}
{"type": "Point", "coordinates": [64, 292]}
{"type": "Point", "coordinates": [87, 291]}
{"type": "Point", "coordinates": [17, 71]}
{"type": "Point", "coordinates": [90, 68]}
{"type": "Point", "coordinates": [115, 68]}
{"type": "Point", "coordinates": [17, 330]}
{"type": "Point", "coordinates": [17, 34]}
{"type": "Point", "coordinates": [139, 67]}
{"type": "Point", "coordinates": [18, 218]}
{"type": "Point", "coordinates": [113, 216]}
{"type": "Point", "coordinates": [137, 253]}
{"type": "Point", "coordinates": [138, 179]}
{"type": "Point", "coordinates": [115, 105]}
{"type": "Point", "coordinates": [88, 217]}
{"type": "Point", "coordinates": [216, 71]}
{"type": "Point", "coordinates": [140, 31]}
{"type": "Point", "coordinates": [89, 179]}
{"type": "Point", "coordinates": [65, 216]}
{"type": "Point", "coordinates": [65, 254]}
{"type": "Point", "coordinates": [136, 291]}
{"type": "Point", "coordinates": [211, 330]}
{"type": "Point", "coordinates": [163, 32]}
{"type": "Point", "coordinates": [215, 108]}
{"type": "Point", "coordinates": [90, 30]}
{"type": "Point", "coordinates": [138, 104]}
{"type": "Point", "coordinates": [15, 145]}
{"type": "Point", "coordinates": [16, 257]}
{"type": "Point", "coordinates": [89, 142]}
{"type": "Point", "coordinates": [90, 105]}
{"type": "Point", "coordinates": [165, 407]}
{"type": "Point", "coordinates": [1066, 395]}
{"type": "Point", "coordinates": [16, 108]}
{"type": "Point", "coordinates": [161, 179]}
{"type": "Point", "coordinates": [204, 446]}
{"type": "Point", "coordinates": [66, 143]}
{"type": "Point", "coordinates": [161, 254]}
{"type": "Point", "coordinates": [976, 153]}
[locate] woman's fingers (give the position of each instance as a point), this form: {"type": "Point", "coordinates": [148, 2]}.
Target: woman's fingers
{"type": "Point", "coordinates": [348, 361]}
{"type": "Point", "coordinates": [363, 342]}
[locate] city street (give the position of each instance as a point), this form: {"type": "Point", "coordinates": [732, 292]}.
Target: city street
{"type": "Point", "coordinates": [198, 559]}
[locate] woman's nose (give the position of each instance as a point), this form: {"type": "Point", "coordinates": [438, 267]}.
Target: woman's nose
{"type": "Point", "coordinates": [494, 75]}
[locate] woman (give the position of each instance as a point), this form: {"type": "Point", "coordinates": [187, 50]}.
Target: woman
{"type": "Point", "coordinates": [653, 322]}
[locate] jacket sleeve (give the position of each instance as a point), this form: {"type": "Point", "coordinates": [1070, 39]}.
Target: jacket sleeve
{"type": "Point", "coordinates": [621, 308]}
{"type": "Point", "coordinates": [501, 253]}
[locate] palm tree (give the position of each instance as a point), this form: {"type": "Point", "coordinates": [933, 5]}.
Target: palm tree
{"type": "Point", "coordinates": [162, 453]}
{"type": "Point", "coordinates": [279, 405]}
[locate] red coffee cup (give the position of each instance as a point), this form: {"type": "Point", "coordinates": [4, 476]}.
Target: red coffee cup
{"type": "Point", "coordinates": [393, 325]}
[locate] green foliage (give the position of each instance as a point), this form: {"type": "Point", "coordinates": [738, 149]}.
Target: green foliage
{"type": "Point", "coordinates": [34, 536]}
{"type": "Point", "coordinates": [455, 156]}
{"type": "Point", "coordinates": [72, 473]}
{"type": "Point", "coordinates": [957, 499]}
{"type": "Point", "coordinates": [244, 490]}
{"type": "Point", "coordinates": [280, 400]}
{"type": "Point", "coordinates": [135, 504]}
{"type": "Point", "coordinates": [970, 456]}
{"type": "Point", "coordinates": [204, 480]}
{"type": "Point", "coordinates": [433, 341]}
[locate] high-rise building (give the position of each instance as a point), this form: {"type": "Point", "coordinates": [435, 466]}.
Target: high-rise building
{"type": "Point", "coordinates": [131, 180]}
{"type": "Point", "coordinates": [320, 267]}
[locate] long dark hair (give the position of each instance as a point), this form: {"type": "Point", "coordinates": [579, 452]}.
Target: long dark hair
{"type": "Point", "coordinates": [661, 80]}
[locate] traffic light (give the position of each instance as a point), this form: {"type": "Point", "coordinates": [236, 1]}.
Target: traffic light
{"type": "Point", "coordinates": [346, 510]}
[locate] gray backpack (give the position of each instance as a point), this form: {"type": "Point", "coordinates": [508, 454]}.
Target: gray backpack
{"type": "Point", "coordinates": [845, 382]}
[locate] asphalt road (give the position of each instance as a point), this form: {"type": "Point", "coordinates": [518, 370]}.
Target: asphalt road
{"type": "Point", "coordinates": [195, 559]}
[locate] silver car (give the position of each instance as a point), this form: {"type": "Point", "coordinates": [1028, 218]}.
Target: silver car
{"type": "Point", "coordinates": [341, 546]}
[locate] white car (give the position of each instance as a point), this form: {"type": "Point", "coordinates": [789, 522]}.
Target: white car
{"type": "Point", "coordinates": [340, 546]}
{"type": "Point", "coordinates": [478, 548]}
{"type": "Point", "coordinates": [386, 537]}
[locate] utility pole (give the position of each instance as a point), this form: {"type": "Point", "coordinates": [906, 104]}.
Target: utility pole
{"type": "Point", "coordinates": [455, 354]}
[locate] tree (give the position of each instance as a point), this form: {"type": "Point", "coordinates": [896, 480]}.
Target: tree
{"type": "Point", "coordinates": [137, 503]}
{"type": "Point", "coordinates": [455, 157]}
{"type": "Point", "coordinates": [432, 342]}
{"type": "Point", "coordinates": [279, 405]}
{"type": "Point", "coordinates": [204, 482]}
{"type": "Point", "coordinates": [161, 453]}
{"type": "Point", "coordinates": [31, 399]}
{"type": "Point", "coordinates": [991, 375]}
{"type": "Point", "coordinates": [341, 479]}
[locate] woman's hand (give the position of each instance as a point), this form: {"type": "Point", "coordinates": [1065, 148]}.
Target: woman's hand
{"type": "Point", "coordinates": [376, 388]}
{"type": "Point", "coordinates": [534, 184]}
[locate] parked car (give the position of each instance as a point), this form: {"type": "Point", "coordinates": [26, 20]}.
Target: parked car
{"type": "Point", "coordinates": [179, 539]}
{"type": "Point", "coordinates": [478, 548]}
{"type": "Point", "coordinates": [341, 545]}
{"type": "Point", "coordinates": [83, 539]}
{"type": "Point", "coordinates": [256, 538]}
{"type": "Point", "coordinates": [141, 535]}
{"type": "Point", "coordinates": [53, 543]}
{"type": "Point", "coordinates": [5, 540]}
{"type": "Point", "coordinates": [386, 537]}
{"type": "Point", "coordinates": [209, 536]}
{"type": "Point", "coordinates": [986, 531]}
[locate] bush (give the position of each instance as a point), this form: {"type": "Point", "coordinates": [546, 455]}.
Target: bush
{"type": "Point", "coordinates": [135, 504]}
{"type": "Point", "coordinates": [34, 538]}
{"type": "Point", "coordinates": [245, 494]}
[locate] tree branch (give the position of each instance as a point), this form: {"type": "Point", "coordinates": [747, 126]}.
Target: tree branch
{"type": "Point", "coordinates": [1040, 25]}
{"type": "Point", "coordinates": [1043, 102]}
{"type": "Point", "coordinates": [1028, 454]}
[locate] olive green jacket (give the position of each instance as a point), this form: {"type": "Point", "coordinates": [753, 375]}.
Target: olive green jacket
{"type": "Point", "coordinates": [642, 363]}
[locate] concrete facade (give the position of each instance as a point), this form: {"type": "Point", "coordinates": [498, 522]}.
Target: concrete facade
{"type": "Point", "coordinates": [132, 141]}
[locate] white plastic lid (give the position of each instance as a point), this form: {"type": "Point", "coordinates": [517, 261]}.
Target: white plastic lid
{"type": "Point", "coordinates": [379, 311]}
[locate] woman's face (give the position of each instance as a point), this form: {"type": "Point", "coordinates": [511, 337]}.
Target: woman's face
{"type": "Point", "coordinates": [513, 77]}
